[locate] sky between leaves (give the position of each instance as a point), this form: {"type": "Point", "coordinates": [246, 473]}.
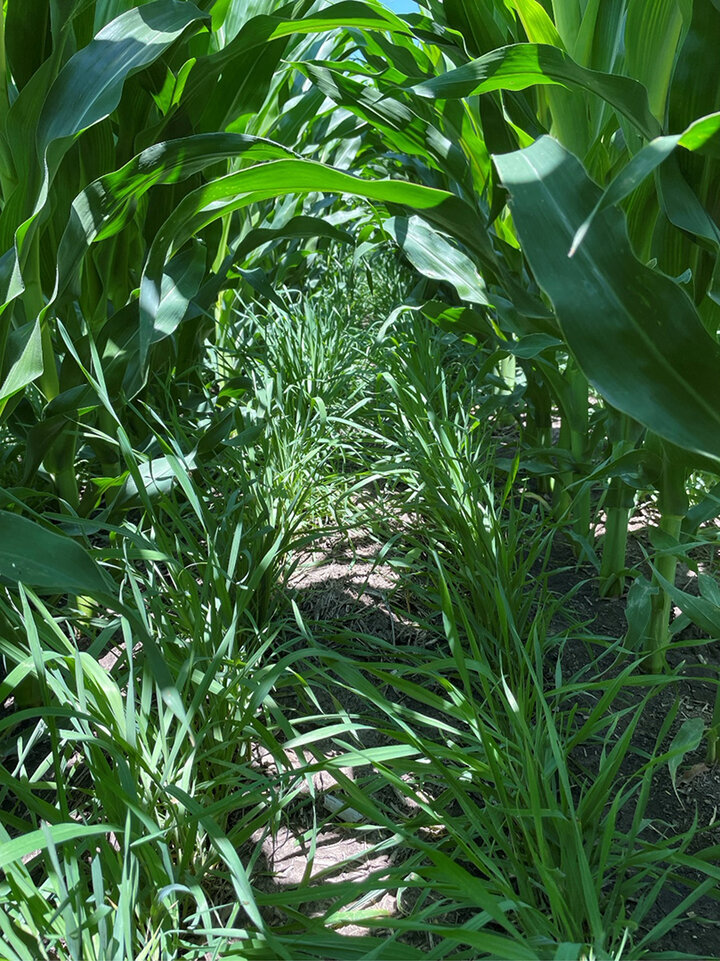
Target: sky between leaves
{"type": "Point", "coordinates": [401, 6]}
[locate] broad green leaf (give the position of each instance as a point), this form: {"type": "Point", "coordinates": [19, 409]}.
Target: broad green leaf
{"type": "Point", "coordinates": [231, 61]}
{"type": "Point", "coordinates": [687, 739]}
{"type": "Point", "coordinates": [653, 32]}
{"type": "Point", "coordinates": [23, 360]}
{"type": "Point", "coordinates": [11, 282]}
{"type": "Point", "coordinates": [531, 345]}
{"type": "Point", "coordinates": [157, 477]}
{"type": "Point", "coordinates": [523, 65]}
{"type": "Point", "coordinates": [280, 177]}
{"type": "Point", "coordinates": [464, 322]}
{"type": "Point", "coordinates": [107, 10]}
{"type": "Point", "coordinates": [635, 333]}
{"type": "Point", "coordinates": [704, 613]}
{"type": "Point", "coordinates": [695, 91]}
{"type": "Point", "coordinates": [638, 611]}
{"type": "Point", "coordinates": [39, 439]}
{"type": "Point", "coordinates": [483, 24]}
{"type": "Point", "coordinates": [183, 276]}
{"type": "Point", "coordinates": [682, 205]}
{"type": "Point", "coordinates": [568, 18]}
{"type": "Point", "coordinates": [700, 135]}
{"type": "Point", "coordinates": [23, 177]}
{"type": "Point", "coordinates": [568, 108]}
{"type": "Point", "coordinates": [104, 206]}
{"type": "Point", "coordinates": [89, 86]}
{"type": "Point", "coordinates": [87, 90]}
{"type": "Point", "coordinates": [537, 24]}
{"type": "Point", "coordinates": [688, 183]}
{"type": "Point", "coordinates": [431, 254]}
{"type": "Point", "coordinates": [598, 42]}
{"type": "Point", "coordinates": [232, 15]}
{"type": "Point", "coordinates": [702, 512]}
{"type": "Point", "coordinates": [709, 588]}
{"type": "Point", "coordinates": [45, 560]}
{"type": "Point", "coordinates": [442, 136]}
{"type": "Point", "coordinates": [181, 281]}
{"type": "Point", "coordinates": [399, 123]}
{"type": "Point", "coordinates": [300, 227]}
{"type": "Point", "coordinates": [27, 37]}
{"type": "Point", "coordinates": [347, 13]}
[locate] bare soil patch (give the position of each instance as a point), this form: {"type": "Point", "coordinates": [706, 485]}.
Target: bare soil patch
{"type": "Point", "coordinates": [346, 583]}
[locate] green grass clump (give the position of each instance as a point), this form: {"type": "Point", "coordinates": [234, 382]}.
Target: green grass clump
{"type": "Point", "coordinates": [483, 802]}
{"type": "Point", "coordinates": [319, 325]}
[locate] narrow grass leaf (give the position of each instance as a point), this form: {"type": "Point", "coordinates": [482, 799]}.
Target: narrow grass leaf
{"type": "Point", "coordinates": [20, 847]}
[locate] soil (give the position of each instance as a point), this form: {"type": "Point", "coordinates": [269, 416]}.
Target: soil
{"type": "Point", "coordinates": [348, 584]}
{"type": "Point", "coordinates": [344, 582]}
{"type": "Point", "coordinates": [695, 799]}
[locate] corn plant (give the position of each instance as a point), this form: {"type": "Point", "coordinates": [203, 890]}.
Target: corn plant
{"type": "Point", "coordinates": [546, 168]}
{"type": "Point", "coordinates": [605, 83]}
{"type": "Point", "coordinates": [78, 200]}
{"type": "Point", "coordinates": [648, 310]}
{"type": "Point", "coordinates": [90, 170]}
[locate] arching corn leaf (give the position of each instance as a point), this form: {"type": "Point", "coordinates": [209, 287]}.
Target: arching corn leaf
{"type": "Point", "coordinates": [635, 333]}
{"type": "Point", "coordinates": [523, 65]}
{"type": "Point", "coordinates": [45, 560]}
{"type": "Point", "coordinates": [278, 178]}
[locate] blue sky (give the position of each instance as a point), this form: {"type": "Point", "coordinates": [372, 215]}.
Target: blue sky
{"type": "Point", "coordinates": [401, 6]}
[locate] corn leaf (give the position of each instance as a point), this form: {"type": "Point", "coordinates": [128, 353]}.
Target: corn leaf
{"type": "Point", "coordinates": [87, 90]}
{"type": "Point", "coordinates": [275, 179]}
{"type": "Point", "coordinates": [45, 560]}
{"type": "Point", "coordinates": [537, 24]}
{"type": "Point", "coordinates": [181, 281]}
{"type": "Point", "coordinates": [431, 254]}
{"type": "Point", "coordinates": [688, 183]}
{"type": "Point", "coordinates": [652, 34]}
{"type": "Point", "coordinates": [104, 206]}
{"type": "Point", "coordinates": [23, 360]}
{"type": "Point", "coordinates": [634, 332]}
{"type": "Point", "coordinates": [27, 37]}
{"type": "Point", "coordinates": [686, 740]}
{"type": "Point", "coordinates": [523, 65]}
{"type": "Point", "coordinates": [700, 135]}
{"type": "Point", "coordinates": [477, 21]}
{"type": "Point", "coordinates": [90, 85]}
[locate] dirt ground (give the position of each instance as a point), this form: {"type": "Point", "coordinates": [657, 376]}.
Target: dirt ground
{"type": "Point", "coordinates": [696, 798]}
{"type": "Point", "coordinates": [345, 583]}
{"type": "Point", "coordinates": [335, 583]}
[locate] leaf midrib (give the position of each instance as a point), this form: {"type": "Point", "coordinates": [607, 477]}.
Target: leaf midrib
{"type": "Point", "coordinates": [685, 386]}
